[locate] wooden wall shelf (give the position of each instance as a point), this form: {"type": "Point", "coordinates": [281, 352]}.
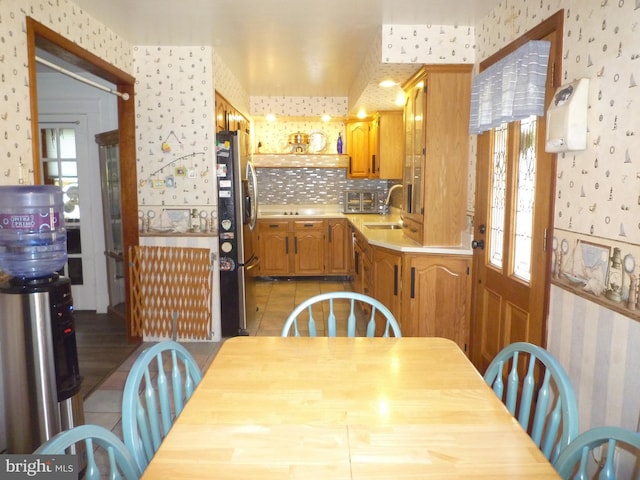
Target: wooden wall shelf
{"type": "Point", "coordinates": [298, 160]}
{"type": "Point", "coordinates": [619, 307]}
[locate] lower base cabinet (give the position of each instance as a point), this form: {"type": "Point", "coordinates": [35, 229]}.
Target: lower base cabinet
{"type": "Point", "coordinates": [429, 294]}
{"type": "Point", "coordinates": [437, 297]}
{"type": "Point", "coordinates": [304, 247]}
{"type": "Point", "coordinates": [387, 268]}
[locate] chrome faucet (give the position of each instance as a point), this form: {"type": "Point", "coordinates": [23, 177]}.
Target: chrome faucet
{"type": "Point", "coordinates": [385, 207]}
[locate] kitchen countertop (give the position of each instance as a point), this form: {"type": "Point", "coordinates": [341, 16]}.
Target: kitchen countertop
{"type": "Point", "coordinates": [393, 239]}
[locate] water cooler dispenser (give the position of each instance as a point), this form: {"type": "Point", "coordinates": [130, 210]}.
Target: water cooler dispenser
{"type": "Point", "coordinates": [39, 359]}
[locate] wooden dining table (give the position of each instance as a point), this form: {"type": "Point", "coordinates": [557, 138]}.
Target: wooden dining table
{"type": "Point", "coordinates": [345, 408]}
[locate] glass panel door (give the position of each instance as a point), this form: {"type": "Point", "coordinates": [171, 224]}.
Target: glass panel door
{"type": "Point", "coordinates": [60, 168]}
{"type": "Point", "coordinates": [498, 195]}
{"type": "Point", "coordinates": [112, 212]}
{"type": "Point", "coordinates": [525, 196]}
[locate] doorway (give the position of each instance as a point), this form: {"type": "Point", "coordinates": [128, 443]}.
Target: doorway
{"type": "Point", "coordinates": [66, 162]}
{"type": "Point", "coordinates": [515, 182]}
{"type": "Point", "coordinates": [42, 38]}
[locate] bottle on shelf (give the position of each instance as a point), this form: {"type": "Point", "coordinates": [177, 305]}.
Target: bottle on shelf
{"type": "Point", "coordinates": [339, 145]}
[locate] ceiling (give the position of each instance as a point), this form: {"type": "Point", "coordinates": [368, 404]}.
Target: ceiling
{"type": "Point", "coordinates": [286, 47]}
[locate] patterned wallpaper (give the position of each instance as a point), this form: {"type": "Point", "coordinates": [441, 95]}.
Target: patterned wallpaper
{"type": "Point", "coordinates": [229, 87]}
{"type": "Point", "coordinates": [428, 44]}
{"type": "Point", "coordinates": [70, 21]}
{"type": "Point", "coordinates": [174, 127]}
{"type": "Point", "coordinates": [299, 106]}
{"type": "Point", "coordinates": [597, 203]}
{"type": "Point", "coordinates": [364, 90]}
{"type": "Point", "coordinates": [598, 189]}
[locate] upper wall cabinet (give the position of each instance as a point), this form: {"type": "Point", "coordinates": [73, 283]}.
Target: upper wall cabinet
{"type": "Point", "coordinates": [385, 145]}
{"type": "Point", "coordinates": [358, 149]}
{"type": "Point", "coordinates": [227, 117]}
{"type": "Point", "coordinates": [374, 146]}
{"type": "Point", "coordinates": [436, 162]}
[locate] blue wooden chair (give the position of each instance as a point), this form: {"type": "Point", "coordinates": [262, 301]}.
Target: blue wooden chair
{"type": "Point", "coordinates": [150, 402]}
{"type": "Point", "coordinates": [119, 462]}
{"type": "Point", "coordinates": [333, 309]}
{"type": "Point", "coordinates": [537, 390]}
{"type": "Point", "coordinates": [573, 462]}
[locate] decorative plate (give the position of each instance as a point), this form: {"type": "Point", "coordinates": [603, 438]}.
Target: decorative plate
{"type": "Point", "coordinates": [317, 142]}
{"type": "Point", "coordinates": [629, 263]}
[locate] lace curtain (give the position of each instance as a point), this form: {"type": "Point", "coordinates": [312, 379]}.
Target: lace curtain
{"type": "Point", "coordinates": [511, 89]}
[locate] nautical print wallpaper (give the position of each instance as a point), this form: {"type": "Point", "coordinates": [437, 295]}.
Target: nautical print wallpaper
{"type": "Point", "coordinates": [431, 44]}
{"type": "Point", "coordinates": [226, 83]}
{"type": "Point", "coordinates": [174, 128]}
{"type": "Point", "coordinates": [597, 205]}
{"type": "Point", "coordinates": [410, 46]}
{"type": "Point", "coordinates": [64, 17]}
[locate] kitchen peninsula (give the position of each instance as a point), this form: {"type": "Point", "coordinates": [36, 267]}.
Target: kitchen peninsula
{"type": "Point", "coordinates": [427, 288]}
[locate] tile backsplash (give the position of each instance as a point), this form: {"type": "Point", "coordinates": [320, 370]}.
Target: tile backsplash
{"type": "Point", "coordinates": [321, 186]}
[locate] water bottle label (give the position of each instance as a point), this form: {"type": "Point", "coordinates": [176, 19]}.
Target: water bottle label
{"type": "Point", "coordinates": [30, 221]}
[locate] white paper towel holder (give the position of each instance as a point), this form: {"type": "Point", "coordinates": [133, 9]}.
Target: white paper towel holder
{"type": "Point", "coordinates": [567, 118]}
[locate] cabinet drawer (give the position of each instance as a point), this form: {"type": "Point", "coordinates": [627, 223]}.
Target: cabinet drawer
{"type": "Point", "coordinates": [308, 225]}
{"type": "Point", "coordinates": [267, 226]}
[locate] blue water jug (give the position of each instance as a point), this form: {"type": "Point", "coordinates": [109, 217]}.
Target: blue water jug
{"type": "Point", "coordinates": [33, 239]}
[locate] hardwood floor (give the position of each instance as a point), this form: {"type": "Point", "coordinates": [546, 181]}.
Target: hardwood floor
{"type": "Point", "coordinates": [102, 347]}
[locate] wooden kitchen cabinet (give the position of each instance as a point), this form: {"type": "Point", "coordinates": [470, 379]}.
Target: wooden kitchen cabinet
{"type": "Point", "coordinates": [274, 247]}
{"type": "Point", "coordinates": [436, 154]}
{"type": "Point", "coordinates": [338, 247]}
{"type": "Point", "coordinates": [375, 147]}
{"type": "Point", "coordinates": [358, 149]}
{"type": "Point", "coordinates": [308, 247]}
{"type": "Point", "coordinates": [428, 293]}
{"type": "Point", "coordinates": [387, 281]}
{"type": "Point", "coordinates": [436, 297]}
{"type": "Point", "coordinates": [304, 247]}
{"type": "Point", "coordinates": [363, 265]}
{"type": "Point", "coordinates": [228, 117]}
{"type": "Point", "coordinates": [385, 145]}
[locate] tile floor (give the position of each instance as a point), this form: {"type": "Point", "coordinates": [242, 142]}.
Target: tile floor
{"type": "Point", "coordinates": [275, 300]}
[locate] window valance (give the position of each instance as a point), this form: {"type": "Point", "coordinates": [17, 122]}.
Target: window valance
{"type": "Point", "coordinates": [511, 89]}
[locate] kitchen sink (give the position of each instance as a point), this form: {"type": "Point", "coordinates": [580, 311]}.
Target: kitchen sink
{"type": "Point", "coordinates": [383, 226]}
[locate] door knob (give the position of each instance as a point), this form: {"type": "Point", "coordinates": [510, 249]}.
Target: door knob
{"type": "Point", "coordinates": [477, 244]}
{"type": "Point", "coordinates": [482, 228]}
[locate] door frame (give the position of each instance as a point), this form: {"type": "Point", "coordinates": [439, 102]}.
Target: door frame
{"type": "Point", "coordinates": [554, 25]}
{"type": "Point", "coordinates": [40, 36]}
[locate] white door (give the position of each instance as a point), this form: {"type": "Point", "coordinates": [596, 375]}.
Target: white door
{"type": "Point", "coordinates": [66, 162]}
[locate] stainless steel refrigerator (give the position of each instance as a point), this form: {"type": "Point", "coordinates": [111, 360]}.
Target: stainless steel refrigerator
{"type": "Point", "coordinates": [237, 215]}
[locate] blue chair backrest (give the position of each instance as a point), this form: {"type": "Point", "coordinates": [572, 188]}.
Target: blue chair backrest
{"type": "Point", "coordinates": [573, 462]}
{"type": "Point", "coordinates": [120, 463]}
{"type": "Point", "coordinates": [333, 311]}
{"type": "Point", "coordinates": [161, 380]}
{"type": "Point", "coordinates": [552, 401]}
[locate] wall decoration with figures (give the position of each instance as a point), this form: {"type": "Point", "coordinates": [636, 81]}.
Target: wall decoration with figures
{"type": "Point", "coordinates": [174, 126]}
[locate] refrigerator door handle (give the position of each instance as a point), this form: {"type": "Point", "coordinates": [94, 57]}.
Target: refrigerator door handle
{"type": "Point", "coordinates": [252, 195]}
{"type": "Point", "coordinates": [253, 263]}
